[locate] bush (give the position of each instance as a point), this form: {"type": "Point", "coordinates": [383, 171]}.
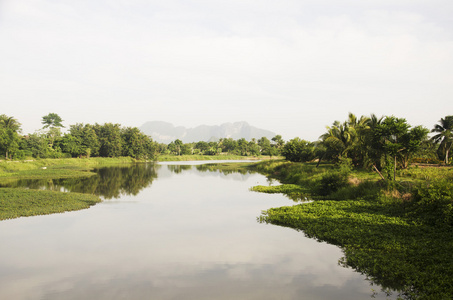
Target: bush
{"type": "Point", "coordinates": [366, 190]}
{"type": "Point", "coordinates": [297, 150]}
{"type": "Point", "coordinates": [433, 203]}
{"type": "Point", "coordinates": [331, 182]}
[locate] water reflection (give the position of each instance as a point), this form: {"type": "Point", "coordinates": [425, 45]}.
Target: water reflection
{"type": "Point", "coordinates": [189, 233]}
{"type": "Point", "coordinates": [109, 182]}
{"type": "Point", "coordinates": [115, 181]}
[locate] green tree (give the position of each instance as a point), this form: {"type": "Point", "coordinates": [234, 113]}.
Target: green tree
{"type": "Point", "coordinates": [135, 143]}
{"type": "Point", "coordinates": [228, 145]}
{"type": "Point", "coordinates": [346, 139]}
{"type": "Point", "coordinates": [254, 148]}
{"type": "Point", "coordinates": [187, 149]}
{"type": "Point", "coordinates": [37, 144]}
{"type": "Point", "coordinates": [52, 120]}
{"type": "Point", "coordinates": [265, 145]}
{"type": "Point", "coordinates": [88, 138]}
{"type": "Point", "coordinates": [72, 145]}
{"type": "Point", "coordinates": [279, 142]}
{"type": "Point", "coordinates": [298, 150]}
{"type": "Point", "coordinates": [394, 140]}
{"type": "Point", "coordinates": [178, 145]}
{"type": "Point", "coordinates": [10, 122]}
{"type": "Point", "coordinates": [444, 136]}
{"type": "Point", "coordinates": [243, 146]}
{"type": "Point", "coordinates": [111, 142]}
{"type": "Point", "coordinates": [203, 147]}
{"type": "Point", "coordinates": [9, 135]}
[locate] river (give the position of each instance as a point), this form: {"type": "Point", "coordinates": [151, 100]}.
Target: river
{"type": "Point", "coordinates": [169, 231]}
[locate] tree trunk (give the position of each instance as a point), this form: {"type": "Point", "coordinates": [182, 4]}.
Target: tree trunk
{"type": "Point", "coordinates": [394, 170]}
{"type": "Point", "coordinates": [319, 160]}
{"type": "Point", "coordinates": [376, 169]}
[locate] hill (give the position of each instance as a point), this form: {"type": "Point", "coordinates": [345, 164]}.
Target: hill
{"type": "Point", "coordinates": [164, 132]}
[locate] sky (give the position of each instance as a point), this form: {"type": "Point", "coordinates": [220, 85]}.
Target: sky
{"type": "Point", "coordinates": [289, 66]}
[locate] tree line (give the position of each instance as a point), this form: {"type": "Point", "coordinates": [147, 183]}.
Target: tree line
{"type": "Point", "coordinates": [384, 143]}
{"type": "Point", "coordinates": [113, 140]}
{"type": "Point", "coordinates": [242, 147]}
{"type": "Point", "coordinates": [82, 140]}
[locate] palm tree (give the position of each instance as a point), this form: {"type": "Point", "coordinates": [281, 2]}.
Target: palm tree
{"type": "Point", "coordinates": [9, 122]}
{"type": "Point", "coordinates": [371, 147]}
{"type": "Point", "coordinates": [345, 139]}
{"type": "Point", "coordinates": [444, 135]}
{"type": "Point", "coordinates": [9, 139]}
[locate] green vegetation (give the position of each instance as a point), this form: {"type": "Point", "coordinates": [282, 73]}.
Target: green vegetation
{"type": "Point", "coordinates": [187, 157]}
{"type": "Point", "coordinates": [24, 202]}
{"type": "Point", "coordinates": [444, 137]}
{"type": "Point", "coordinates": [225, 146]}
{"type": "Point", "coordinates": [107, 140]}
{"type": "Point", "coordinates": [20, 202]}
{"type": "Point", "coordinates": [399, 235]}
{"type": "Point", "coordinates": [56, 168]}
{"type": "Point", "coordinates": [393, 220]}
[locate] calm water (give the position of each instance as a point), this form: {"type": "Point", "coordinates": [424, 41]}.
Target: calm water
{"type": "Point", "coordinates": [169, 232]}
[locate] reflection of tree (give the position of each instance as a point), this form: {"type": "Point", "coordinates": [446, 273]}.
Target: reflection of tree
{"type": "Point", "coordinates": [224, 169]}
{"type": "Point", "coordinates": [110, 182]}
{"type": "Point", "coordinates": [179, 168]}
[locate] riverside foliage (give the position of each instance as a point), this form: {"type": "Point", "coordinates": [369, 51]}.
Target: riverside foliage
{"type": "Point", "coordinates": [398, 235]}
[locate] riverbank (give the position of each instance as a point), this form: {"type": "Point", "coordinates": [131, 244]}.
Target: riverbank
{"type": "Point", "coordinates": [56, 168]}
{"type": "Point", "coordinates": [18, 202]}
{"type": "Point", "coordinates": [400, 238]}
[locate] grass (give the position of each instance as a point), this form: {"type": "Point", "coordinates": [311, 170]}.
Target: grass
{"type": "Point", "coordinates": [16, 202]}
{"type": "Point", "coordinates": [292, 191]}
{"type": "Point", "coordinates": [56, 168]}
{"type": "Point", "coordinates": [400, 238]}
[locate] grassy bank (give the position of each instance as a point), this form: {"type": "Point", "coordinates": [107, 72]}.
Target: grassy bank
{"type": "Point", "coordinates": [56, 168]}
{"type": "Point", "coordinates": [401, 238]}
{"type": "Point", "coordinates": [16, 203]}
{"type": "Point", "coordinates": [23, 202]}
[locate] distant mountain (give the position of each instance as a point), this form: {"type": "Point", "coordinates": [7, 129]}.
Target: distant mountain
{"type": "Point", "coordinates": [164, 132]}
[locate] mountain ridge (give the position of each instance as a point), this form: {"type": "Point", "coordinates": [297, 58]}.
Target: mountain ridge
{"type": "Point", "coordinates": [165, 132]}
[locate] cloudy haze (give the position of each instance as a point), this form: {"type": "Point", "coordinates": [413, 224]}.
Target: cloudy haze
{"type": "Point", "coordinates": [291, 67]}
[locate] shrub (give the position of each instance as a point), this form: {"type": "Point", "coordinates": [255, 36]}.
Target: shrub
{"type": "Point", "coordinates": [297, 150]}
{"type": "Point", "coordinates": [331, 182]}
{"type": "Point", "coordinates": [433, 203]}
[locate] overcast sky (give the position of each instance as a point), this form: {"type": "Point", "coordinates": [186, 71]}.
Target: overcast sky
{"type": "Point", "coordinates": [292, 67]}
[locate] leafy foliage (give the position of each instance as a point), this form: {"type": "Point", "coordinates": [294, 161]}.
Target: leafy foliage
{"type": "Point", "coordinates": [298, 150]}
{"type": "Point", "coordinates": [402, 244]}
{"type": "Point", "coordinates": [433, 203]}
{"type": "Point", "coordinates": [444, 137]}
